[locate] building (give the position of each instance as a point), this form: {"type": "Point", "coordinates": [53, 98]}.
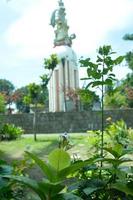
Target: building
{"type": "Point", "coordinates": [65, 77]}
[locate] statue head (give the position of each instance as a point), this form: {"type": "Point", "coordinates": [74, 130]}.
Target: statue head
{"type": "Point", "coordinates": [61, 4]}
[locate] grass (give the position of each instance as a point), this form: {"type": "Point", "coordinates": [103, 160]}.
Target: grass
{"type": "Point", "coordinates": [13, 150]}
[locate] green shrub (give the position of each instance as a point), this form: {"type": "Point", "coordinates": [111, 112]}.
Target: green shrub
{"type": "Point", "coordinates": [118, 133]}
{"type": "Point", "coordinates": [10, 132]}
{"type": "Point", "coordinates": [80, 180]}
{"type": "Point", "coordinates": [115, 133]}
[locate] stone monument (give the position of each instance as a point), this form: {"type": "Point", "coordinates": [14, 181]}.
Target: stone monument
{"type": "Point", "coordinates": [65, 76]}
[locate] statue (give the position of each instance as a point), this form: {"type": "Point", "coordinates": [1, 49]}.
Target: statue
{"type": "Point", "coordinates": [59, 23]}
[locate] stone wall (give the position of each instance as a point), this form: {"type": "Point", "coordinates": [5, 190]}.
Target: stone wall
{"type": "Point", "coordinates": [67, 121]}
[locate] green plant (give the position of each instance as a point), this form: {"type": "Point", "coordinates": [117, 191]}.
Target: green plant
{"type": "Point", "coordinates": [115, 100]}
{"type": "Point", "coordinates": [118, 133]}
{"type": "Point", "coordinates": [2, 104]}
{"type": "Point", "coordinates": [58, 173]}
{"type": "Point", "coordinates": [115, 181]}
{"type": "Point", "coordinates": [100, 74]}
{"type": "Point", "coordinates": [10, 132]}
{"type": "Point", "coordinates": [6, 192]}
{"type": "Point", "coordinates": [80, 180]}
{"type": "Point", "coordinates": [87, 98]}
{"type": "Point", "coordinates": [49, 64]}
{"type": "Point", "coordinates": [94, 140]}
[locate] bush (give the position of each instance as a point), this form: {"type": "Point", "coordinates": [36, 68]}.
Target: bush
{"type": "Point", "coordinates": [10, 132]}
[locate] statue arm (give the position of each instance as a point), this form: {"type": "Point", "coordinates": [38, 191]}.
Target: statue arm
{"type": "Point", "coordinates": [52, 21]}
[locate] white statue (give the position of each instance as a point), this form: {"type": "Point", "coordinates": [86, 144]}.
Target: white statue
{"type": "Point", "coordinates": [59, 23]}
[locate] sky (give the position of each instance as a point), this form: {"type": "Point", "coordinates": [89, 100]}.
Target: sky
{"type": "Point", "coordinates": [26, 37]}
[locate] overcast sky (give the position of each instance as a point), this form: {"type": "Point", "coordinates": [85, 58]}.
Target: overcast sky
{"type": "Point", "coordinates": [26, 36]}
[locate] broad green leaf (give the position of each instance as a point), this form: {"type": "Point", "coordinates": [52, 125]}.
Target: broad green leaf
{"type": "Point", "coordinates": [85, 79]}
{"type": "Point", "coordinates": [105, 50]}
{"type": "Point", "coordinates": [96, 83]}
{"type": "Point", "coordinates": [92, 65]}
{"type": "Point", "coordinates": [66, 196]}
{"type": "Point", "coordinates": [105, 71]}
{"type": "Point", "coordinates": [77, 165]}
{"type": "Point", "coordinates": [117, 151]}
{"type": "Point", "coordinates": [84, 63]}
{"type": "Point", "coordinates": [59, 159]}
{"type": "Point", "coordinates": [95, 75]}
{"type": "Point", "coordinates": [90, 190]}
{"type": "Point", "coordinates": [99, 59]}
{"type": "Point", "coordinates": [116, 162]}
{"type": "Point", "coordinates": [89, 84]}
{"type": "Point", "coordinates": [112, 152]}
{"type": "Point", "coordinates": [48, 171]}
{"type": "Point", "coordinates": [112, 75]}
{"type": "Point", "coordinates": [108, 81]}
{"type": "Point", "coordinates": [50, 188]}
{"type": "Point", "coordinates": [123, 187]}
{"type": "Point", "coordinates": [118, 60]}
{"type": "Point", "coordinates": [28, 182]}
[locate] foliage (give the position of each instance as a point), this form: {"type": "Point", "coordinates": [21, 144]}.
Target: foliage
{"type": "Point", "coordinates": [50, 63]}
{"type": "Point", "coordinates": [129, 59]}
{"type": "Point", "coordinates": [80, 180]}
{"type": "Point", "coordinates": [20, 105]}
{"type": "Point", "coordinates": [87, 98]}
{"type": "Point", "coordinates": [36, 95]}
{"type": "Point", "coordinates": [120, 96]}
{"type": "Point", "coordinates": [113, 183]}
{"type": "Point", "coordinates": [102, 68]}
{"type": "Point", "coordinates": [33, 94]}
{"type": "Point", "coordinates": [6, 192]}
{"type": "Point", "coordinates": [6, 86]}
{"type": "Point", "coordinates": [128, 82]}
{"type": "Point", "coordinates": [115, 100]}
{"type": "Point", "coordinates": [100, 74]}
{"type": "Point", "coordinates": [10, 132]}
{"type": "Point", "coordinates": [128, 36]}
{"type": "Point", "coordinates": [114, 133]}
{"type": "Point", "coordinates": [2, 104]}
{"type": "Point", "coordinates": [33, 98]}
{"type": "Point", "coordinates": [118, 133]}
{"type": "Point", "coordinates": [7, 89]}
{"type": "Point", "coordinates": [128, 88]}
{"type": "Point", "coordinates": [55, 172]}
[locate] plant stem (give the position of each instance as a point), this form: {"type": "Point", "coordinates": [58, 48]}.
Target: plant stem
{"type": "Point", "coordinates": [102, 135]}
{"type": "Point", "coordinates": [102, 128]}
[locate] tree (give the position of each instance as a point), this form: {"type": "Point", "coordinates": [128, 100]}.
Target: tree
{"type": "Point", "coordinates": [33, 97]}
{"type": "Point", "coordinates": [87, 98]}
{"type": "Point", "coordinates": [128, 36]}
{"type": "Point", "coordinates": [129, 59]}
{"type": "Point", "coordinates": [115, 100]}
{"type": "Point", "coordinates": [20, 105]}
{"type": "Point", "coordinates": [128, 82]}
{"type": "Point", "coordinates": [100, 74]}
{"type": "Point", "coordinates": [7, 89]}
{"type": "Point", "coordinates": [2, 104]}
{"type": "Point", "coordinates": [50, 64]}
{"type": "Point", "coordinates": [6, 86]}
{"type": "Point", "coordinates": [129, 55]}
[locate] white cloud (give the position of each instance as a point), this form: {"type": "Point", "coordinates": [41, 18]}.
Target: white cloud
{"type": "Point", "coordinates": [95, 19]}
{"type": "Point", "coordinates": [90, 20]}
